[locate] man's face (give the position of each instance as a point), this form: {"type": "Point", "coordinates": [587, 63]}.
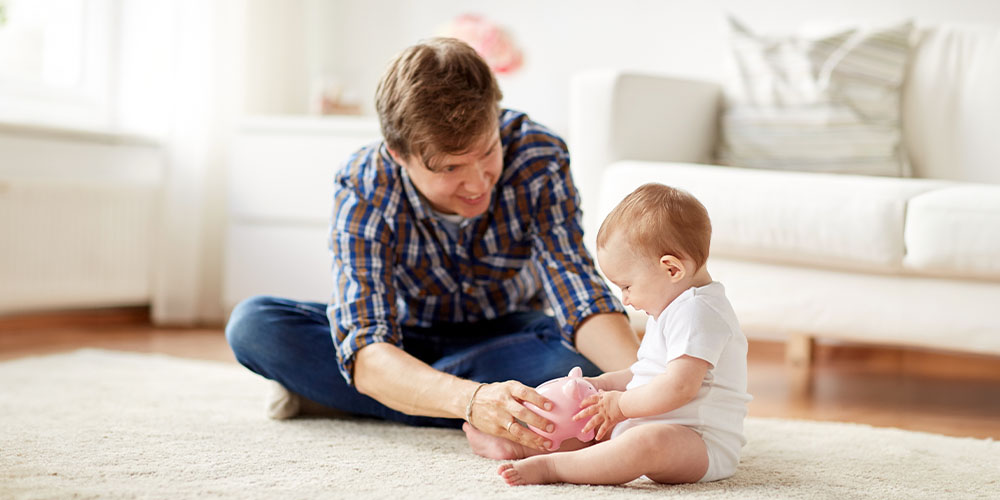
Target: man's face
{"type": "Point", "coordinates": [461, 184]}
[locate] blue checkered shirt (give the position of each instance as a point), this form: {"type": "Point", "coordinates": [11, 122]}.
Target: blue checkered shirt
{"type": "Point", "coordinates": [395, 264]}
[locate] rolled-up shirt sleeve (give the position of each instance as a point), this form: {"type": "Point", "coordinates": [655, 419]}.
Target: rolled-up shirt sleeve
{"type": "Point", "coordinates": [362, 309]}
{"type": "Point", "coordinates": [573, 288]}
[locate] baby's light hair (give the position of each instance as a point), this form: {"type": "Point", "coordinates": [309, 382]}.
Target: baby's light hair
{"type": "Point", "coordinates": [659, 220]}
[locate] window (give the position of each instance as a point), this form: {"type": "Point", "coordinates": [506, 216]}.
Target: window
{"type": "Point", "coordinates": [55, 62]}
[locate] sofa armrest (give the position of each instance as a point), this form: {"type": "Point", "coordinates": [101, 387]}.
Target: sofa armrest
{"type": "Point", "coordinates": [617, 115]}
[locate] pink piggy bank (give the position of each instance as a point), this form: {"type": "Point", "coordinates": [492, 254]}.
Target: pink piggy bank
{"type": "Point", "coordinates": [565, 393]}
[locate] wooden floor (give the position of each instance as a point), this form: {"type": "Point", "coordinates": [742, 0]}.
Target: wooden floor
{"type": "Point", "coordinates": [944, 393]}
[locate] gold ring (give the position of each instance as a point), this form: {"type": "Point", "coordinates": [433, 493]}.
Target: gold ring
{"type": "Point", "coordinates": [510, 424]}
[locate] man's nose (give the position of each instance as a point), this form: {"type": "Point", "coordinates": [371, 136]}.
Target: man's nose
{"type": "Point", "coordinates": [478, 180]}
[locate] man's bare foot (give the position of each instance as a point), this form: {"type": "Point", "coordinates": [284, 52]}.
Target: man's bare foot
{"type": "Point", "coordinates": [529, 471]}
{"type": "Point", "coordinates": [493, 447]}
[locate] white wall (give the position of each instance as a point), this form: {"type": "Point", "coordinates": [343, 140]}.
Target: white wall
{"type": "Point", "coordinates": [561, 37]}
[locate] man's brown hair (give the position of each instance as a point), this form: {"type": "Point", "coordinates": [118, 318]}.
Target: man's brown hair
{"type": "Point", "coordinates": [437, 97]}
{"type": "Point", "coordinates": [659, 220]}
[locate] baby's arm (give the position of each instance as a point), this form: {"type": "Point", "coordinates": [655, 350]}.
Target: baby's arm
{"type": "Point", "coordinates": [612, 381]}
{"type": "Point", "coordinates": [673, 388]}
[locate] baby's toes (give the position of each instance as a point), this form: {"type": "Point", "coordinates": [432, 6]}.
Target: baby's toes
{"type": "Point", "coordinates": [509, 474]}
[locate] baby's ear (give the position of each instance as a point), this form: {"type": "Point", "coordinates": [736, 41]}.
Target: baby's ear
{"type": "Point", "coordinates": [673, 266]}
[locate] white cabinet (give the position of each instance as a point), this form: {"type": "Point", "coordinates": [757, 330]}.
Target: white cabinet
{"type": "Point", "coordinates": [280, 197]}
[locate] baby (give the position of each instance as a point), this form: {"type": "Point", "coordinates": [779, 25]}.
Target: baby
{"type": "Point", "coordinates": [676, 415]}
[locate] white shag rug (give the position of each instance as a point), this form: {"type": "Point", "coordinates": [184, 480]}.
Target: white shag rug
{"type": "Point", "coordinates": [103, 424]}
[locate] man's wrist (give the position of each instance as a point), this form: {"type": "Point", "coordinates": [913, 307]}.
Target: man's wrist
{"type": "Point", "coordinates": [472, 399]}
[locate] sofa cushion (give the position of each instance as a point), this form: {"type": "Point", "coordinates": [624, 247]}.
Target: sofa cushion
{"type": "Point", "coordinates": [951, 105]}
{"type": "Point", "coordinates": [827, 104]}
{"type": "Point", "coordinates": [829, 220]}
{"type": "Point", "coordinates": [955, 231]}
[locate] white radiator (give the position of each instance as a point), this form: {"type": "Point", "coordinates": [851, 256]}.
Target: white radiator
{"type": "Point", "coordinates": [77, 223]}
{"type": "Point", "coordinates": [72, 244]}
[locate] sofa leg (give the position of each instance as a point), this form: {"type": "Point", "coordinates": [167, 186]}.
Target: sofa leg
{"type": "Point", "coordinates": [799, 358]}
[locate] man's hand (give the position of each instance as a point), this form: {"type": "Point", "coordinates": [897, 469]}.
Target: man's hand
{"type": "Point", "coordinates": [422, 390]}
{"type": "Point", "coordinates": [604, 412]}
{"type": "Point", "coordinates": [496, 406]}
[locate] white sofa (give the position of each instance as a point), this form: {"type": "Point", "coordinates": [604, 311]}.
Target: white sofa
{"type": "Point", "coordinates": [898, 261]}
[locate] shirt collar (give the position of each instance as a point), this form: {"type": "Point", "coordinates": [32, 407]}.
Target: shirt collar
{"type": "Point", "coordinates": [417, 201]}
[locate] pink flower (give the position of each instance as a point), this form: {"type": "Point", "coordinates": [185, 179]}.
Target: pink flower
{"type": "Point", "coordinates": [489, 40]}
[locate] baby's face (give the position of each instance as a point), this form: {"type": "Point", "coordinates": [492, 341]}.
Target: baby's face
{"type": "Point", "coordinates": [646, 283]}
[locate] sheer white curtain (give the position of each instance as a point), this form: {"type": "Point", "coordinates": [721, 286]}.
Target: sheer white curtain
{"type": "Point", "coordinates": [179, 63]}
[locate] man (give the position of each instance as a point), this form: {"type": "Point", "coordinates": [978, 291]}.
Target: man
{"type": "Point", "coordinates": [449, 239]}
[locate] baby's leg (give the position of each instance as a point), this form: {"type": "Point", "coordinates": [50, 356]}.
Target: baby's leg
{"type": "Point", "coordinates": [665, 453]}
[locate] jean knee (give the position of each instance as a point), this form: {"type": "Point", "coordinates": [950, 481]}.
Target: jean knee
{"type": "Point", "coordinates": [564, 357]}
{"type": "Point", "coordinates": [571, 359]}
{"type": "Point", "coordinates": [244, 323]}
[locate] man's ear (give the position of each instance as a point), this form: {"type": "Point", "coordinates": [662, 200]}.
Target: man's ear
{"type": "Point", "coordinates": [395, 156]}
{"type": "Point", "coordinates": [674, 267]}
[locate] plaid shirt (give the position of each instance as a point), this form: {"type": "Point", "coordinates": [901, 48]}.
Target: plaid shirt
{"type": "Point", "coordinates": [395, 264]}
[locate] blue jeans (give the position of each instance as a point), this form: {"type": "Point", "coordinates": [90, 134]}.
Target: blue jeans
{"type": "Point", "coordinates": [290, 342]}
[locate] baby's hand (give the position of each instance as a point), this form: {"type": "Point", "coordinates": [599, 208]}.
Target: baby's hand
{"type": "Point", "coordinates": [603, 410]}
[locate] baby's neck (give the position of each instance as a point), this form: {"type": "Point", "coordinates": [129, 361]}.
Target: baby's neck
{"type": "Point", "coordinates": [701, 277]}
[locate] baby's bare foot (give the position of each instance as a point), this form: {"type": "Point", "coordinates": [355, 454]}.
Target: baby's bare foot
{"type": "Point", "coordinates": [493, 447]}
{"type": "Point", "coordinates": [528, 471]}
{"type": "Point", "coordinates": [510, 475]}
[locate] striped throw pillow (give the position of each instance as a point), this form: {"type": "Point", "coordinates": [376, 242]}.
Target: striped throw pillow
{"type": "Point", "coordinates": [825, 105]}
